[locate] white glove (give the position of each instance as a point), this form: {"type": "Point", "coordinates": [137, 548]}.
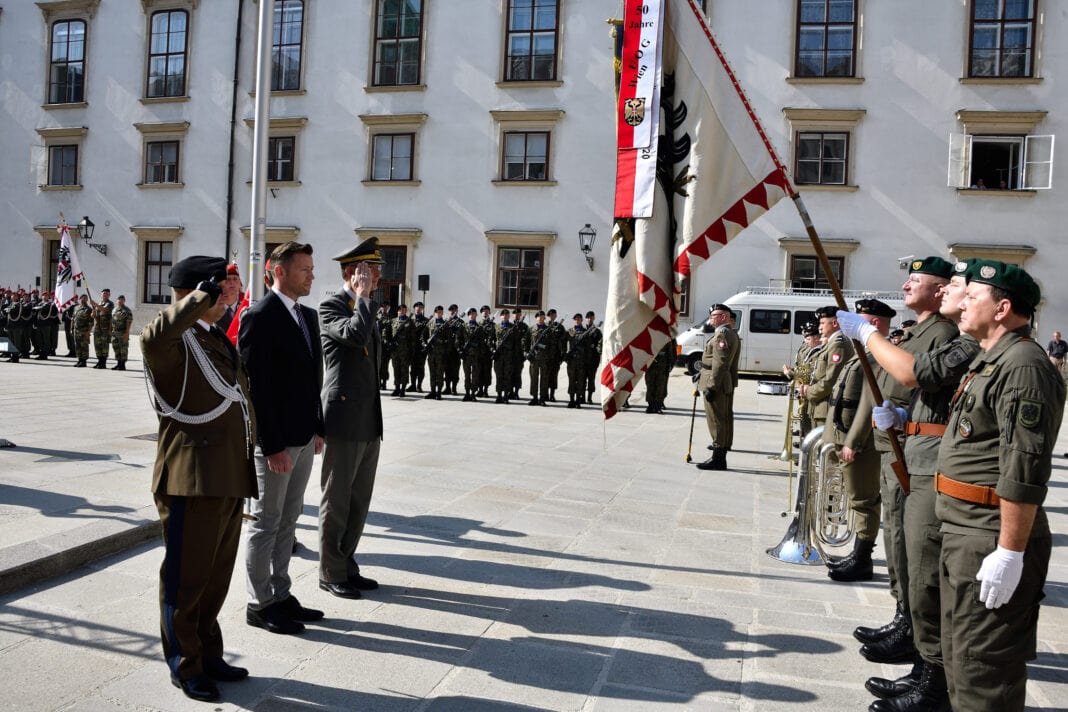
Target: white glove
{"type": "Point", "coordinates": [1000, 575]}
{"type": "Point", "coordinates": [886, 416]}
{"type": "Point", "coordinates": [854, 326]}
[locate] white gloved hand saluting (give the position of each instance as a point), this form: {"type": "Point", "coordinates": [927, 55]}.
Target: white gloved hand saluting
{"type": "Point", "coordinates": [999, 575]}
{"type": "Point", "coordinates": [854, 326]}
{"type": "Point", "coordinates": [886, 416]}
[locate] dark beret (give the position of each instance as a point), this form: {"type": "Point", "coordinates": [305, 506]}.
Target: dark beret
{"type": "Point", "coordinates": [1011, 278]}
{"type": "Point", "coordinates": [452, 307]}
{"type": "Point", "coordinates": [417, 304]}
{"type": "Point", "coordinates": [539, 313]}
{"type": "Point", "coordinates": [718, 307]}
{"type": "Point", "coordinates": [590, 314]}
{"type": "Point", "coordinates": [485, 307]}
{"type": "Point", "coordinates": [401, 306]}
{"type": "Point", "coordinates": [577, 316]}
{"type": "Point", "coordinates": [188, 273]}
{"type": "Point", "coordinates": [875, 308]}
{"type": "Point", "coordinates": [933, 265]}
{"type": "Point", "coordinates": [828, 312]}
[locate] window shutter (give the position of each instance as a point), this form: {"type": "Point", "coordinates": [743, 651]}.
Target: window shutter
{"type": "Point", "coordinates": [1038, 162]}
{"type": "Point", "coordinates": [960, 160]}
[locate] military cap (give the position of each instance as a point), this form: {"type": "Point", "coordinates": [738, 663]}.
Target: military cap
{"type": "Point", "coordinates": [875, 308]}
{"type": "Point", "coordinates": [810, 329]}
{"type": "Point", "coordinates": [898, 333]}
{"type": "Point", "coordinates": [366, 251]}
{"type": "Point", "coordinates": [440, 308]}
{"type": "Point", "coordinates": [417, 304]}
{"type": "Point", "coordinates": [577, 316]}
{"type": "Point", "coordinates": [504, 312]}
{"type": "Point", "coordinates": [540, 312]}
{"type": "Point", "coordinates": [590, 314]}
{"type": "Point", "coordinates": [453, 307]}
{"type": "Point", "coordinates": [908, 323]}
{"type": "Point", "coordinates": [718, 307]}
{"type": "Point", "coordinates": [472, 311]}
{"type": "Point", "coordinates": [827, 312]}
{"type": "Point", "coordinates": [485, 307]}
{"type": "Point", "coordinates": [1011, 278]}
{"type": "Point", "coordinates": [402, 306]}
{"type": "Point", "coordinates": [231, 269]}
{"type": "Point", "coordinates": [960, 269]}
{"type": "Point", "coordinates": [517, 310]}
{"type": "Point", "coordinates": [933, 265]}
{"type": "Point", "coordinates": [188, 273]}
{"type": "Point", "coordinates": [121, 296]}
{"type": "Point", "coordinates": [105, 289]}
{"type": "Point", "coordinates": [551, 312]}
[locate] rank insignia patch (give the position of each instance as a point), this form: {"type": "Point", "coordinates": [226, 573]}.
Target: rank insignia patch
{"type": "Point", "coordinates": [835, 358]}
{"type": "Point", "coordinates": [722, 344]}
{"type": "Point", "coordinates": [1030, 413]}
{"type": "Point", "coordinates": [965, 428]}
{"type": "Point", "coordinates": [988, 369]}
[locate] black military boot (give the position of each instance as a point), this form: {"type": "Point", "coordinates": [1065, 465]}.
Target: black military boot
{"type": "Point", "coordinates": [893, 649]}
{"type": "Point", "coordinates": [534, 401]}
{"type": "Point", "coordinates": [589, 396]}
{"type": "Point", "coordinates": [837, 562]}
{"type": "Point", "coordinates": [552, 395]}
{"type": "Point", "coordinates": [100, 363]}
{"type": "Point", "coordinates": [80, 364]}
{"type": "Point", "coordinates": [713, 462]}
{"type": "Point", "coordinates": [870, 635]}
{"type": "Point", "coordinates": [929, 695]}
{"type": "Point", "coordinates": [430, 394]}
{"type": "Point", "coordinates": [857, 566]}
{"type": "Point", "coordinates": [500, 398]}
{"type": "Point", "coordinates": [885, 689]}
{"type": "Point", "coordinates": [721, 463]}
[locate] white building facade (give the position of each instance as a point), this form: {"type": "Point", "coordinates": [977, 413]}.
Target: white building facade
{"type": "Point", "coordinates": [475, 139]}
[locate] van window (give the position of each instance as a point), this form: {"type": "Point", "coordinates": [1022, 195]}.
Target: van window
{"type": "Point", "coordinates": [802, 317]}
{"type": "Point", "coordinates": [769, 321]}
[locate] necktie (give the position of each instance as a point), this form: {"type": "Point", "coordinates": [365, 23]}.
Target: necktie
{"type": "Point", "coordinates": [303, 327]}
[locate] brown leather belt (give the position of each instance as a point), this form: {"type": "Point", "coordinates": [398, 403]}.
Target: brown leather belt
{"type": "Point", "coordinates": [931, 429]}
{"type": "Point", "coordinates": [976, 494]}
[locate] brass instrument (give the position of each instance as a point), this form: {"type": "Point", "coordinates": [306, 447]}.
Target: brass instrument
{"type": "Point", "coordinates": [822, 517]}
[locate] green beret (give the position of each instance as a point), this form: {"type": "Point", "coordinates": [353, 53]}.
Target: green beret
{"type": "Point", "coordinates": [933, 265]}
{"type": "Point", "coordinates": [960, 269]}
{"type": "Point", "coordinates": [875, 308]}
{"type": "Point", "coordinates": [188, 273]}
{"type": "Point", "coordinates": [828, 312]}
{"type": "Point", "coordinates": [1011, 278]}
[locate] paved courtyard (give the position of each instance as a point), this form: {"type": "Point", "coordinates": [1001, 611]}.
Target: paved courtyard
{"type": "Point", "coordinates": [530, 559]}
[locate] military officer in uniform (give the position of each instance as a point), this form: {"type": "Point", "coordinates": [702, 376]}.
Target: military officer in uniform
{"type": "Point", "coordinates": [417, 359]}
{"type": "Point", "coordinates": [385, 329]}
{"type": "Point", "coordinates": [19, 326]}
{"type": "Point", "coordinates": [593, 355]}
{"type": "Point", "coordinates": [540, 349]}
{"type": "Point", "coordinates": [717, 384]}
{"type": "Point", "coordinates": [437, 346]}
{"type": "Point", "coordinates": [801, 372]}
{"type": "Point", "coordinates": [203, 470]}
{"type": "Point", "coordinates": [856, 451]}
{"type": "Point", "coordinates": [470, 343]}
{"type": "Point", "coordinates": [656, 378]}
{"type": "Point", "coordinates": [403, 343]}
{"type": "Point", "coordinates": [559, 338]}
{"type": "Point", "coordinates": [452, 356]}
{"type": "Point", "coordinates": [82, 324]}
{"type": "Point", "coordinates": [576, 363]}
{"type": "Point", "coordinates": [508, 342]}
{"type": "Point", "coordinates": [121, 321]}
{"type": "Point", "coordinates": [995, 464]}
{"type": "Point", "coordinates": [489, 341]}
{"type": "Point", "coordinates": [827, 364]}
{"type": "Point", "coordinates": [47, 318]}
{"type": "Point", "coordinates": [102, 326]}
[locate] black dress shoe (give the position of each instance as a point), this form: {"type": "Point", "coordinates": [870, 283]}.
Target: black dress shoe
{"type": "Point", "coordinates": [885, 689]}
{"type": "Point", "coordinates": [298, 612]}
{"type": "Point", "coordinates": [197, 688]}
{"type": "Point", "coordinates": [341, 590]}
{"type": "Point", "coordinates": [893, 649]}
{"type": "Point", "coordinates": [274, 620]}
{"type": "Point", "coordinates": [870, 635]}
{"type": "Point", "coordinates": [221, 671]}
{"type": "Point", "coordinates": [362, 582]}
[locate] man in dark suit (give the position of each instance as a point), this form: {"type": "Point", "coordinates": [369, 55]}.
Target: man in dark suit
{"type": "Point", "coordinates": [279, 344]}
{"type": "Point", "coordinates": [203, 470]}
{"type": "Point", "coordinates": [352, 410]}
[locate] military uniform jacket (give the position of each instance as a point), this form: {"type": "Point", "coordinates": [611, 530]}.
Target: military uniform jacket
{"type": "Point", "coordinates": [471, 339]}
{"type": "Point", "coordinates": [83, 318]}
{"type": "Point", "coordinates": [938, 372]}
{"type": "Point", "coordinates": [352, 348]}
{"type": "Point", "coordinates": [508, 340]}
{"type": "Point", "coordinates": [828, 363]}
{"type": "Point", "coordinates": [845, 399]}
{"type": "Point", "coordinates": [47, 313]}
{"type": "Point", "coordinates": [541, 344]}
{"type": "Point", "coordinates": [720, 351]}
{"type": "Point", "coordinates": [489, 333]}
{"type": "Point", "coordinates": [120, 321]}
{"type": "Point", "coordinates": [439, 336]}
{"type": "Point", "coordinates": [102, 313]}
{"type": "Point", "coordinates": [212, 459]}
{"type": "Point", "coordinates": [405, 336]}
{"type": "Point", "coordinates": [1002, 428]}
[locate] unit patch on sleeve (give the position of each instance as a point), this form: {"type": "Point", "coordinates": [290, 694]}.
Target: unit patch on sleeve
{"type": "Point", "coordinates": [955, 357]}
{"type": "Point", "coordinates": [1030, 413]}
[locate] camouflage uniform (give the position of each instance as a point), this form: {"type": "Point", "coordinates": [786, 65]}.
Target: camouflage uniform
{"type": "Point", "coordinates": [593, 359]}
{"type": "Point", "coordinates": [452, 355]}
{"type": "Point", "coordinates": [559, 337]}
{"type": "Point", "coordinates": [523, 333]}
{"type": "Point", "coordinates": [509, 343]}
{"type": "Point", "coordinates": [417, 359]}
{"type": "Point", "coordinates": [471, 343]}
{"type": "Point", "coordinates": [405, 344]}
{"type": "Point", "coordinates": [541, 350]}
{"type": "Point", "coordinates": [385, 327]}
{"type": "Point", "coordinates": [121, 319]}
{"type": "Point", "coordinates": [83, 326]}
{"type": "Point", "coordinates": [489, 341]}
{"type": "Point", "coordinates": [437, 347]}
{"type": "Point", "coordinates": [102, 331]}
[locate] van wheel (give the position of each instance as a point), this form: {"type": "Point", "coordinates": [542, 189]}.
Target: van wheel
{"type": "Point", "coordinates": [693, 363]}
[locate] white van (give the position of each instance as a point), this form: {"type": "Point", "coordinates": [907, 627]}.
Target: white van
{"type": "Point", "coordinates": [769, 322]}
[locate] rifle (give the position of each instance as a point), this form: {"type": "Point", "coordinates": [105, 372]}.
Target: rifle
{"type": "Point", "coordinates": [425, 348]}
{"type": "Point", "coordinates": [575, 345]}
{"type": "Point", "coordinates": [537, 342]}
{"type": "Point", "coordinates": [495, 353]}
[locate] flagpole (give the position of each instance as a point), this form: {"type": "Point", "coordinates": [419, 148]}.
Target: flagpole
{"type": "Point", "coordinates": [899, 465]}
{"type": "Point", "coordinates": [262, 117]}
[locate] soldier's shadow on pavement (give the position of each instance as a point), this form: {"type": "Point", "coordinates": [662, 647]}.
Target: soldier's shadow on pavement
{"type": "Point", "coordinates": [288, 695]}
{"type": "Point", "coordinates": [53, 504]}
{"type": "Point", "coordinates": [1049, 667]}
{"type": "Point", "coordinates": [51, 455]}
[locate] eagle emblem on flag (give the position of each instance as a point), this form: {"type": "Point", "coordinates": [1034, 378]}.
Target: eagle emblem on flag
{"type": "Point", "coordinates": [634, 111]}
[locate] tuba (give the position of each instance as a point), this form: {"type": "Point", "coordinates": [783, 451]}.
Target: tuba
{"type": "Point", "coordinates": [822, 517]}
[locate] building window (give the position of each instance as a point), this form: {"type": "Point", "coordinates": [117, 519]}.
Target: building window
{"type": "Point", "coordinates": [530, 45]}
{"type": "Point", "coordinates": [998, 151]}
{"type": "Point", "coordinates": [53, 264]}
{"type": "Point", "coordinates": [519, 276]}
{"type": "Point", "coordinates": [821, 158]}
{"type": "Point", "coordinates": [63, 165]}
{"type": "Point", "coordinates": [526, 155]}
{"type": "Point", "coordinates": [391, 157]}
{"type": "Point", "coordinates": [66, 72]}
{"type": "Point", "coordinates": [280, 151]}
{"type": "Point", "coordinates": [1002, 38]}
{"type": "Point", "coordinates": [166, 54]}
{"type": "Point", "coordinates": [806, 273]}
{"type": "Point", "coordinates": [398, 42]}
{"type": "Point", "coordinates": [288, 42]}
{"type": "Point", "coordinates": [826, 38]}
{"type": "Point", "coordinates": [161, 162]}
{"type": "Point", "coordinates": [158, 259]}
{"type": "Point", "coordinates": [390, 288]}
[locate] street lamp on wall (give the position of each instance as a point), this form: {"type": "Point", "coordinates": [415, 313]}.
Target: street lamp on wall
{"type": "Point", "coordinates": [85, 231]}
{"type": "Point", "coordinates": [586, 237]}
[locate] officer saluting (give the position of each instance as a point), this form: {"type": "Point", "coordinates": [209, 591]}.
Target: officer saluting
{"type": "Point", "coordinates": [995, 462]}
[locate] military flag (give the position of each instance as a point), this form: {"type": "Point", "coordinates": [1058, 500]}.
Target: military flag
{"type": "Point", "coordinates": [715, 174]}
{"type": "Point", "coordinates": [68, 271]}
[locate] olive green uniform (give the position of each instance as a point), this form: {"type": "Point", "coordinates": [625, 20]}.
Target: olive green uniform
{"type": "Point", "coordinates": [806, 357]}
{"type": "Point", "coordinates": [593, 344]}
{"type": "Point", "coordinates": [576, 362]}
{"type": "Point", "coordinates": [417, 356]}
{"type": "Point", "coordinates": [405, 342]}
{"type": "Point", "coordinates": [926, 336]}
{"type": "Point", "coordinates": [1002, 427]}
{"type": "Point", "coordinates": [717, 384]}
{"type": "Point", "coordinates": [452, 353]}
{"type": "Point", "coordinates": [844, 429]}
{"type": "Point", "coordinates": [519, 355]}
{"type": "Point", "coordinates": [938, 372]}
{"type": "Point", "coordinates": [385, 327]}
{"type": "Point", "coordinates": [656, 376]}
{"type": "Point", "coordinates": [121, 319]}
{"type": "Point", "coordinates": [102, 330]}
{"type": "Point", "coordinates": [826, 365]}
{"type": "Point", "coordinates": [509, 343]}
{"type": "Point", "coordinates": [485, 364]}
{"type": "Point", "coordinates": [471, 343]}
{"type": "Point", "coordinates": [83, 326]}
{"type": "Point", "coordinates": [559, 337]}
{"type": "Point", "coordinates": [542, 351]}
{"type": "Point", "coordinates": [438, 343]}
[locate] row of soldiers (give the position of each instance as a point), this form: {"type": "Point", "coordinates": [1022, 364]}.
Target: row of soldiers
{"type": "Point", "coordinates": [491, 353]}
{"type": "Point", "coordinates": [31, 320]}
{"type": "Point", "coordinates": [975, 409]}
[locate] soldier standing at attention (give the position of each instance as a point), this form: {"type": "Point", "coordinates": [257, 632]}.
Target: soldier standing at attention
{"type": "Point", "coordinates": [656, 378]}
{"type": "Point", "coordinates": [385, 328]}
{"type": "Point", "coordinates": [592, 343]}
{"type": "Point", "coordinates": [489, 341]}
{"type": "Point", "coordinates": [404, 342]}
{"type": "Point", "coordinates": [452, 356]}
{"type": "Point", "coordinates": [19, 324]}
{"type": "Point", "coordinates": [717, 385]}
{"type": "Point", "coordinates": [508, 341]}
{"type": "Point", "coordinates": [438, 343]}
{"type": "Point", "coordinates": [827, 365]}
{"type": "Point", "coordinates": [470, 345]}
{"type": "Point", "coordinates": [522, 334]}
{"type": "Point", "coordinates": [559, 337]}
{"type": "Point", "coordinates": [121, 321]}
{"type": "Point", "coordinates": [102, 326]}
{"type": "Point", "coordinates": [83, 326]}
{"type": "Point", "coordinates": [576, 363]}
{"type": "Point", "coordinates": [417, 359]}
{"type": "Point", "coordinates": [540, 350]}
